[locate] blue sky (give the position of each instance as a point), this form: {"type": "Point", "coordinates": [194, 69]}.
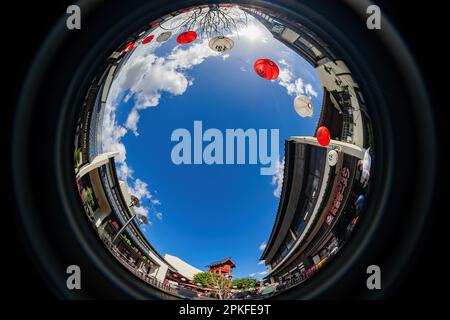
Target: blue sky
{"type": "Point", "coordinates": [202, 213]}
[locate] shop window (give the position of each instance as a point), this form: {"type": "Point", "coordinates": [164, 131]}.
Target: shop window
{"type": "Point", "coordinates": [284, 251]}
{"type": "Point", "coordinates": [289, 241]}
{"type": "Point", "coordinates": [315, 187]}
{"type": "Point", "coordinates": [299, 227]}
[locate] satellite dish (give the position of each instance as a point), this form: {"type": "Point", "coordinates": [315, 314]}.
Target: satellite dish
{"type": "Point", "coordinates": [164, 36]}
{"type": "Point", "coordinates": [221, 44]}
{"type": "Point", "coordinates": [303, 106]}
{"type": "Point", "coordinates": [332, 158]}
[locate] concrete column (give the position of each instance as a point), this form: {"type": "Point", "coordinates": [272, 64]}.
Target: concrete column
{"type": "Point", "coordinates": [161, 273]}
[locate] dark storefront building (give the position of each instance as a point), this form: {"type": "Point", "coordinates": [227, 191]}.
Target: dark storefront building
{"type": "Point", "coordinates": [311, 218]}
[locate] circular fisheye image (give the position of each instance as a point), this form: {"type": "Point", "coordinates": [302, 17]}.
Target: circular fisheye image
{"type": "Point", "coordinates": [224, 152]}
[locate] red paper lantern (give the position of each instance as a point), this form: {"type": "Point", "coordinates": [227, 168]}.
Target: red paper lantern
{"type": "Point", "coordinates": [187, 37]}
{"type": "Point", "coordinates": [128, 47]}
{"type": "Point", "coordinates": [323, 136]}
{"type": "Point", "coordinates": [154, 24]}
{"type": "Point", "coordinates": [148, 39]}
{"type": "Point", "coordinates": [266, 69]}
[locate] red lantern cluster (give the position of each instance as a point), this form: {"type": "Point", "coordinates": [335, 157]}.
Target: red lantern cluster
{"type": "Point", "coordinates": [266, 69]}
{"type": "Point", "coordinates": [148, 39]}
{"type": "Point", "coordinates": [186, 37]}
{"type": "Point", "coordinates": [128, 47]}
{"type": "Point", "coordinates": [323, 136]}
{"type": "Point", "coordinates": [154, 24]}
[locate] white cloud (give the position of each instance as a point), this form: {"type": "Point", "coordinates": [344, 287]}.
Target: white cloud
{"type": "Point", "coordinates": [155, 201]}
{"type": "Point", "coordinates": [277, 178]}
{"type": "Point", "coordinates": [253, 31]}
{"type": "Point", "coordinates": [140, 190]}
{"type": "Point", "coordinates": [243, 69]}
{"type": "Point", "coordinates": [144, 78]}
{"type": "Point", "coordinates": [112, 133]}
{"type": "Point", "coordinates": [225, 56]}
{"type": "Point", "coordinates": [256, 274]}
{"type": "Point", "coordinates": [283, 62]}
{"type": "Point", "coordinates": [124, 172]}
{"type": "Point", "coordinates": [309, 90]}
{"type": "Point", "coordinates": [132, 120]}
{"type": "Point", "coordinates": [262, 246]}
{"type": "Point", "coordinates": [261, 262]}
{"type": "Point", "coordinates": [141, 211]}
{"type": "Point", "coordinates": [192, 56]}
{"type": "Point", "coordinates": [293, 87]}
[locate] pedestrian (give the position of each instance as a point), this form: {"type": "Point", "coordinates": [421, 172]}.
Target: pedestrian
{"type": "Point", "coordinates": [359, 204]}
{"type": "Point", "coordinates": [365, 168]}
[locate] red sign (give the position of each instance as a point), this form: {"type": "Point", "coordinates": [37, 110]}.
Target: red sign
{"type": "Point", "coordinates": [345, 173]}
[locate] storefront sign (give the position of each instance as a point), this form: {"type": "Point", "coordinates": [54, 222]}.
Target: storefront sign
{"type": "Point", "coordinates": [345, 173]}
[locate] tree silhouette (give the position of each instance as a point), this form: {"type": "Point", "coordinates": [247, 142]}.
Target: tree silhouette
{"type": "Point", "coordinates": [210, 21]}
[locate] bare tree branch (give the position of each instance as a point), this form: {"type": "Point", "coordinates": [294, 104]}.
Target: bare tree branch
{"type": "Point", "coordinates": [210, 21]}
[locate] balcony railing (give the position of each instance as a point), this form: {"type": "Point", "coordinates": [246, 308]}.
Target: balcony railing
{"type": "Point", "coordinates": [138, 272]}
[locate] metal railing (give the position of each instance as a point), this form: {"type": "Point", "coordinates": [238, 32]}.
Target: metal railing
{"type": "Point", "coordinates": [138, 272]}
{"type": "Point", "coordinates": [295, 281]}
{"type": "Point", "coordinates": [347, 115]}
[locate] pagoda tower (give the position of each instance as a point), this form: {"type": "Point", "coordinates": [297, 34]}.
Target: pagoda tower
{"type": "Point", "coordinates": [222, 267]}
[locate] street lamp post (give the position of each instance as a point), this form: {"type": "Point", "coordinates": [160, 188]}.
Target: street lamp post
{"type": "Point", "coordinates": [134, 203]}
{"type": "Point", "coordinates": [123, 228]}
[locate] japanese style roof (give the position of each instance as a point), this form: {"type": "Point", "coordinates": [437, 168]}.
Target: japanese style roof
{"type": "Point", "coordinates": [222, 262]}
